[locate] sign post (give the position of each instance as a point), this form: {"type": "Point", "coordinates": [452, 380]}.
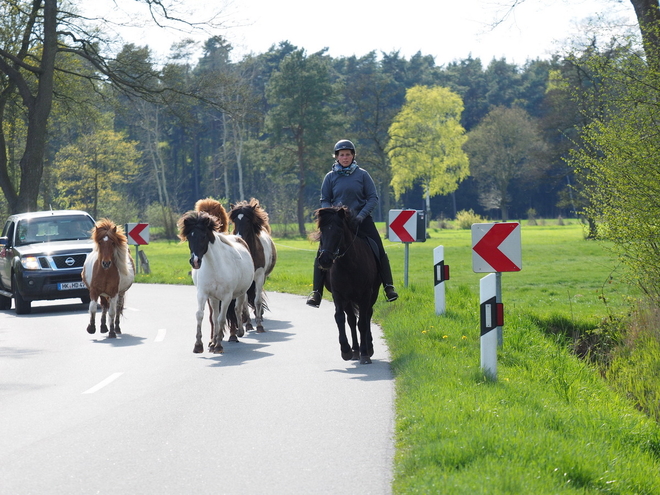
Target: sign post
{"type": "Point", "coordinates": [406, 226]}
{"type": "Point", "coordinates": [137, 234]}
{"type": "Point", "coordinates": [440, 274]}
{"type": "Point", "coordinates": [496, 248]}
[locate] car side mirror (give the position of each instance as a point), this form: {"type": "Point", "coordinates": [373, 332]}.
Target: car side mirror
{"type": "Point", "coordinates": [4, 242]}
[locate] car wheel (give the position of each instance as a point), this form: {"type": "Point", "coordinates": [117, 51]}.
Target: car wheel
{"type": "Point", "coordinates": [23, 307]}
{"type": "Point", "coordinates": [5, 302]}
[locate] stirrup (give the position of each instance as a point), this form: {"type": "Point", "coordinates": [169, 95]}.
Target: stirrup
{"type": "Point", "coordinates": [314, 299]}
{"type": "Point", "coordinates": [390, 293]}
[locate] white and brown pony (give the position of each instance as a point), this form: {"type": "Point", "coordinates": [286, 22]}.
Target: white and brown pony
{"type": "Point", "coordinates": [251, 224]}
{"type": "Point", "coordinates": [108, 273]}
{"type": "Point", "coordinates": [222, 271]}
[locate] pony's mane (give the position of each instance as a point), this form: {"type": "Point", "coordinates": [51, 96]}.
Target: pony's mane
{"type": "Point", "coordinates": [257, 215]}
{"type": "Point", "coordinates": [215, 208]}
{"type": "Point", "coordinates": [106, 227]}
{"type": "Point", "coordinates": [192, 219]}
{"type": "Point", "coordinates": [326, 215]}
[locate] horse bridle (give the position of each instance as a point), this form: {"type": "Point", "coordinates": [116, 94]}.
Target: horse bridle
{"type": "Point", "coordinates": [335, 255]}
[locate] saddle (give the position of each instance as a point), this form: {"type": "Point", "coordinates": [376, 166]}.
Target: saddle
{"type": "Point", "coordinates": [373, 246]}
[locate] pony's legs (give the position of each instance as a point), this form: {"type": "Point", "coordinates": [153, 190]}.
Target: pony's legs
{"type": "Point", "coordinates": [352, 323]}
{"type": "Point", "coordinates": [211, 322]}
{"type": "Point", "coordinates": [199, 315]}
{"type": "Point", "coordinates": [366, 339]}
{"type": "Point", "coordinates": [120, 310]}
{"type": "Point", "coordinates": [219, 326]}
{"type": "Point", "coordinates": [237, 308]}
{"type": "Point", "coordinates": [104, 311]}
{"type": "Point", "coordinates": [340, 319]}
{"type": "Point", "coordinates": [259, 280]}
{"type": "Point", "coordinates": [112, 311]}
{"type": "Point", "coordinates": [91, 327]}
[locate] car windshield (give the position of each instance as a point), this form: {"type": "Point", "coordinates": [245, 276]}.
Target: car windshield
{"type": "Point", "coordinates": [60, 228]}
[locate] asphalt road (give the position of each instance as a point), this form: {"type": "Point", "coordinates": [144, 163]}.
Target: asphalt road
{"type": "Point", "coordinates": [277, 413]}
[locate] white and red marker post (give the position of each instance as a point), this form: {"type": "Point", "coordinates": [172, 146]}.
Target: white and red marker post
{"type": "Point", "coordinates": [496, 248]}
{"type": "Point", "coordinates": [440, 275]}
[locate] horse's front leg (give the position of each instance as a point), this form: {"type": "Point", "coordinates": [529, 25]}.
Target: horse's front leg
{"type": "Point", "coordinates": [112, 312]}
{"type": "Point", "coordinates": [104, 312]}
{"type": "Point", "coordinates": [91, 327]}
{"type": "Point", "coordinates": [120, 310]}
{"type": "Point", "coordinates": [219, 325]}
{"type": "Point", "coordinates": [199, 315]}
{"type": "Point", "coordinates": [366, 339]}
{"type": "Point", "coordinates": [340, 319]}
{"type": "Point", "coordinates": [352, 323]}
{"type": "Point", "coordinates": [259, 280]}
{"type": "Point", "coordinates": [211, 323]}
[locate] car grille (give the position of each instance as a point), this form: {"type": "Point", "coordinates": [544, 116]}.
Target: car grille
{"type": "Point", "coordinates": [63, 262]}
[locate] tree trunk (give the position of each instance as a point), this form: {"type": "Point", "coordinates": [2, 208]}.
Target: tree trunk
{"type": "Point", "coordinates": [648, 18]}
{"type": "Point", "coordinates": [301, 194]}
{"type": "Point", "coordinates": [39, 106]}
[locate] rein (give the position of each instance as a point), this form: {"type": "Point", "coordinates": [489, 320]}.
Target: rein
{"type": "Point", "coordinates": [335, 254]}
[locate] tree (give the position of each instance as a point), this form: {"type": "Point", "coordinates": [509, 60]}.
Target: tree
{"type": "Point", "coordinates": [504, 147]}
{"type": "Point", "coordinates": [426, 140]}
{"type": "Point", "coordinates": [91, 171]}
{"type": "Point", "coordinates": [301, 117]}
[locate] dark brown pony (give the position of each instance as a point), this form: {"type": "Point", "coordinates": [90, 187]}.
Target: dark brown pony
{"type": "Point", "coordinates": [108, 273]}
{"type": "Point", "coordinates": [251, 224]}
{"type": "Point", "coordinates": [352, 277]}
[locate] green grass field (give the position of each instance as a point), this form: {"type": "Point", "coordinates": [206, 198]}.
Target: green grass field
{"type": "Point", "coordinates": [549, 423]}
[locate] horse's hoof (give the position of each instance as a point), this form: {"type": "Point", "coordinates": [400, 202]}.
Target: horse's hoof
{"type": "Point", "coordinates": [356, 355]}
{"type": "Point", "coordinates": [365, 360]}
{"type": "Point", "coordinates": [260, 329]}
{"type": "Point", "coordinates": [346, 356]}
{"type": "Point", "coordinates": [198, 349]}
{"type": "Point", "coordinates": [233, 338]}
{"type": "Point", "coordinates": [104, 329]}
{"type": "Point", "coordinates": [112, 335]}
{"type": "Point", "coordinates": [248, 326]}
{"type": "Point", "coordinates": [91, 329]}
{"type": "Point", "coordinates": [118, 330]}
{"type": "Point", "coordinates": [218, 350]}
{"type": "Point", "coordinates": [239, 333]}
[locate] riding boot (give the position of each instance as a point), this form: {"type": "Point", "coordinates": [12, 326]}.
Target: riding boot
{"type": "Point", "coordinates": [315, 297]}
{"type": "Point", "coordinates": [386, 278]}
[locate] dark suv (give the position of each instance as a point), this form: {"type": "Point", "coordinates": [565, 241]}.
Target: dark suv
{"type": "Point", "coordinates": [42, 255]}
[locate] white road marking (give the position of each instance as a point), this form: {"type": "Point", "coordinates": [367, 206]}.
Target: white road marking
{"type": "Point", "coordinates": [105, 382]}
{"type": "Point", "coordinates": [160, 336]}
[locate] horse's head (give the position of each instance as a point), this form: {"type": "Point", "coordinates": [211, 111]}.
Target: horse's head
{"type": "Point", "coordinates": [249, 218]}
{"type": "Point", "coordinates": [332, 224]}
{"type": "Point", "coordinates": [108, 237]}
{"type": "Point", "coordinates": [198, 228]}
{"type": "Point", "coordinates": [215, 208]}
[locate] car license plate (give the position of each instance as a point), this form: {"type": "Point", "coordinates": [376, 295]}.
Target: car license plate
{"type": "Point", "coordinates": [71, 285]}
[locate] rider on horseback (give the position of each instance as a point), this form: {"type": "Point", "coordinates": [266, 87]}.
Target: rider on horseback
{"type": "Point", "coordinates": [351, 186]}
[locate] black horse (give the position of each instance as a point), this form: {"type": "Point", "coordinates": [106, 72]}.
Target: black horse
{"type": "Point", "coordinates": [352, 278]}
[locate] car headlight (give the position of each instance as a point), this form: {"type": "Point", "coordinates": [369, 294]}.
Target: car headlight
{"type": "Point", "coordinates": [30, 263]}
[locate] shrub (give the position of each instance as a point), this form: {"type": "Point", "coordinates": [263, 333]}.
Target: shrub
{"type": "Point", "coordinates": [465, 219]}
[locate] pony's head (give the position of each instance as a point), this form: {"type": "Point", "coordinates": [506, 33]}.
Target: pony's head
{"type": "Point", "coordinates": [249, 217]}
{"type": "Point", "coordinates": [108, 238]}
{"type": "Point", "coordinates": [198, 228]}
{"type": "Point", "coordinates": [215, 208]}
{"type": "Point", "coordinates": [333, 228]}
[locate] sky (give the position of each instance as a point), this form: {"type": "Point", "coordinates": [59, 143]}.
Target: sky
{"type": "Point", "coordinates": [449, 30]}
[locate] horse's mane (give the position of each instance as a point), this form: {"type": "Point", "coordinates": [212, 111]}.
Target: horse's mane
{"type": "Point", "coordinates": [257, 215]}
{"type": "Point", "coordinates": [325, 215]}
{"type": "Point", "coordinates": [196, 218]}
{"type": "Point", "coordinates": [215, 208]}
{"type": "Point", "coordinates": [106, 227]}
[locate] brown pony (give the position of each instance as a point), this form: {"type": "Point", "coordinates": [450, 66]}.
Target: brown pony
{"type": "Point", "coordinates": [215, 208]}
{"type": "Point", "coordinates": [108, 273]}
{"type": "Point", "coordinates": [251, 223]}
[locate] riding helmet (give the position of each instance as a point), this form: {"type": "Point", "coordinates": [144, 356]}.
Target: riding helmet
{"type": "Point", "coordinates": [344, 144]}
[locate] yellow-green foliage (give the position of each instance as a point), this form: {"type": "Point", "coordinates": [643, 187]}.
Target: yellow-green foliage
{"type": "Point", "coordinates": [465, 219]}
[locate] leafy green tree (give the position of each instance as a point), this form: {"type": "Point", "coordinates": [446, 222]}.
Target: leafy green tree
{"type": "Point", "coordinates": [426, 140]}
{"type": "Point", "coordinates": [301, 118]}
{"type": "Point", "coordinates": [505, 147]}
{"type": "Point", "coordinates": [91, 172]}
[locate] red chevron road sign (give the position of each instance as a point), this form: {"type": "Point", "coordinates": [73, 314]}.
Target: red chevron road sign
{"type": "Point", "coordinates": [496, 247]}
{"type": "Point", "coordinates": [137, 233]}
